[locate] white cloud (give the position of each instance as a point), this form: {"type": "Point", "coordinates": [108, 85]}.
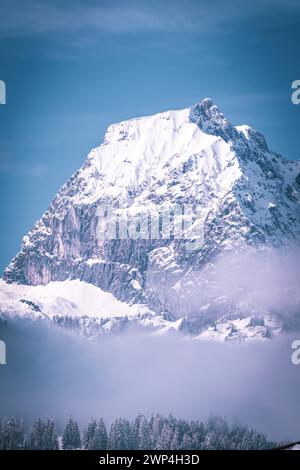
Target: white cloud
{"type": "Point", "coordinates": [35, 18]}
{"type": "Point", "coordinates": [12, 166]}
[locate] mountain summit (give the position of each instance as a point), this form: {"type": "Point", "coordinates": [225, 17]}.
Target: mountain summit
{"type": "Point", "coordinates": [195, 159]}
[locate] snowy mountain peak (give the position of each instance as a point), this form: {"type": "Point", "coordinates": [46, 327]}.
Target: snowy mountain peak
{"type": "Point", "coordinates": [138, 151]}
{"type": "Point", "coordinates": [248, 196]}
{"type": "Point", "coordinates": [208, 118]}
{"type": "Point", "coordinates": [206, 111]}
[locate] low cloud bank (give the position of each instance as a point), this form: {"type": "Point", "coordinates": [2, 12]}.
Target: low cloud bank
{"type": "Point", "coordinates": [52, 372]}
{"type": "Point", "coordinates": [246, 282]}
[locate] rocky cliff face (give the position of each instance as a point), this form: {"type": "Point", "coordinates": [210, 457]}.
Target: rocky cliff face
{"type": "Point", "coordinates": [244, 194]}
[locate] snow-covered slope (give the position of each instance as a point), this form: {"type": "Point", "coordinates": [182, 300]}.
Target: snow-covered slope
{"type": "Point", "coordinates": [80, 306]}
{"type": "Point", "coordinates": [92, 312]}
{"type": "Point", "coordinates": [71, 297]}
{"type": "Point", "coordinates": [247, 195]}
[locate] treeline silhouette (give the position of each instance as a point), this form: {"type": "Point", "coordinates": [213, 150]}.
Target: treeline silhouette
{"type": "Point", "coordinates": [157, 433]}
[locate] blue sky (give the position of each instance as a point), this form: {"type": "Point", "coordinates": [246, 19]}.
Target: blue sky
{"type": "Point", "coordinates": [72, 68]}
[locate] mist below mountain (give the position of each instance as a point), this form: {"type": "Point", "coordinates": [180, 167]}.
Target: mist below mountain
{"type": "Point", "coordinates": [52, 372]}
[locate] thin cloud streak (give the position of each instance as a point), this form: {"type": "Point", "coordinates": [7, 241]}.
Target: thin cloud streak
{"type": "Point", "coordinates": [9, 165]}
{"type": "Point", "coordinates": [36, 18]}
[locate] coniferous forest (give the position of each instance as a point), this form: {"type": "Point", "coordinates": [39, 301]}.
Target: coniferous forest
{"type": "Point", "coordinates": [157, 433]}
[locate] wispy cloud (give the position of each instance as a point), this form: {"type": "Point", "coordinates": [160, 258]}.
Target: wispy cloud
{"type": "Point", "coordinates": [10, 165]}
{"type": "Point", "coordinates": [256, 98]}
{"type": "Point", "coordinates": [32, 17]}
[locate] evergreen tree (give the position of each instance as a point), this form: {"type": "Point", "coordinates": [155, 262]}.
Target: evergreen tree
{"type": "Point", "coordinates": [11, 434]}
{"type": "Point", "coordinates": [1, 432]}
{"type": "Point", "coordinates": [156, 425]}
{"type": "Point", "coordinates": [197, 435]}
{"type": "Point", "coordinates": [159, 433]}
{"type": "Point", "coordinates": [50, 441]}
{"type": "Point", "coordinates": [100, 439]}
{"type": "Point", "coordinates": [35, 441]}
{"type": "Point", "coordinates": [210, 441]}
{"type": "Point", "coordinates": [260, 441]}
{"type": "Point", "coordinates": [183, 428]}
{"type": "Point", "coordinates": [71, 435]}
{"type": "Point", "coordinates": [217, 424]}
{"type": "Point", "coordinates": [135, 431]}
{"type": "Point", "coordinates": [4, 437]}
{"type": "Point", "coordinates": [175, 442]}
{"type": "Point", "coordinates": [141, 438]}
{"type": "Point", "coordinates": [186, 442]}
{"type": "Point", "coordinates": [120, 435]}
{"type": "Point", "coordinates": [88, 434]}
{"type": "Point", "coordinates": [165, 438]}
{"type": "Point", "coordinates": [144, 438]}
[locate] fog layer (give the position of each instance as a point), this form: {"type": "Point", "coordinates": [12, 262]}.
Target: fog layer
{"type": "Point", "coordinates": [52, 372]}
